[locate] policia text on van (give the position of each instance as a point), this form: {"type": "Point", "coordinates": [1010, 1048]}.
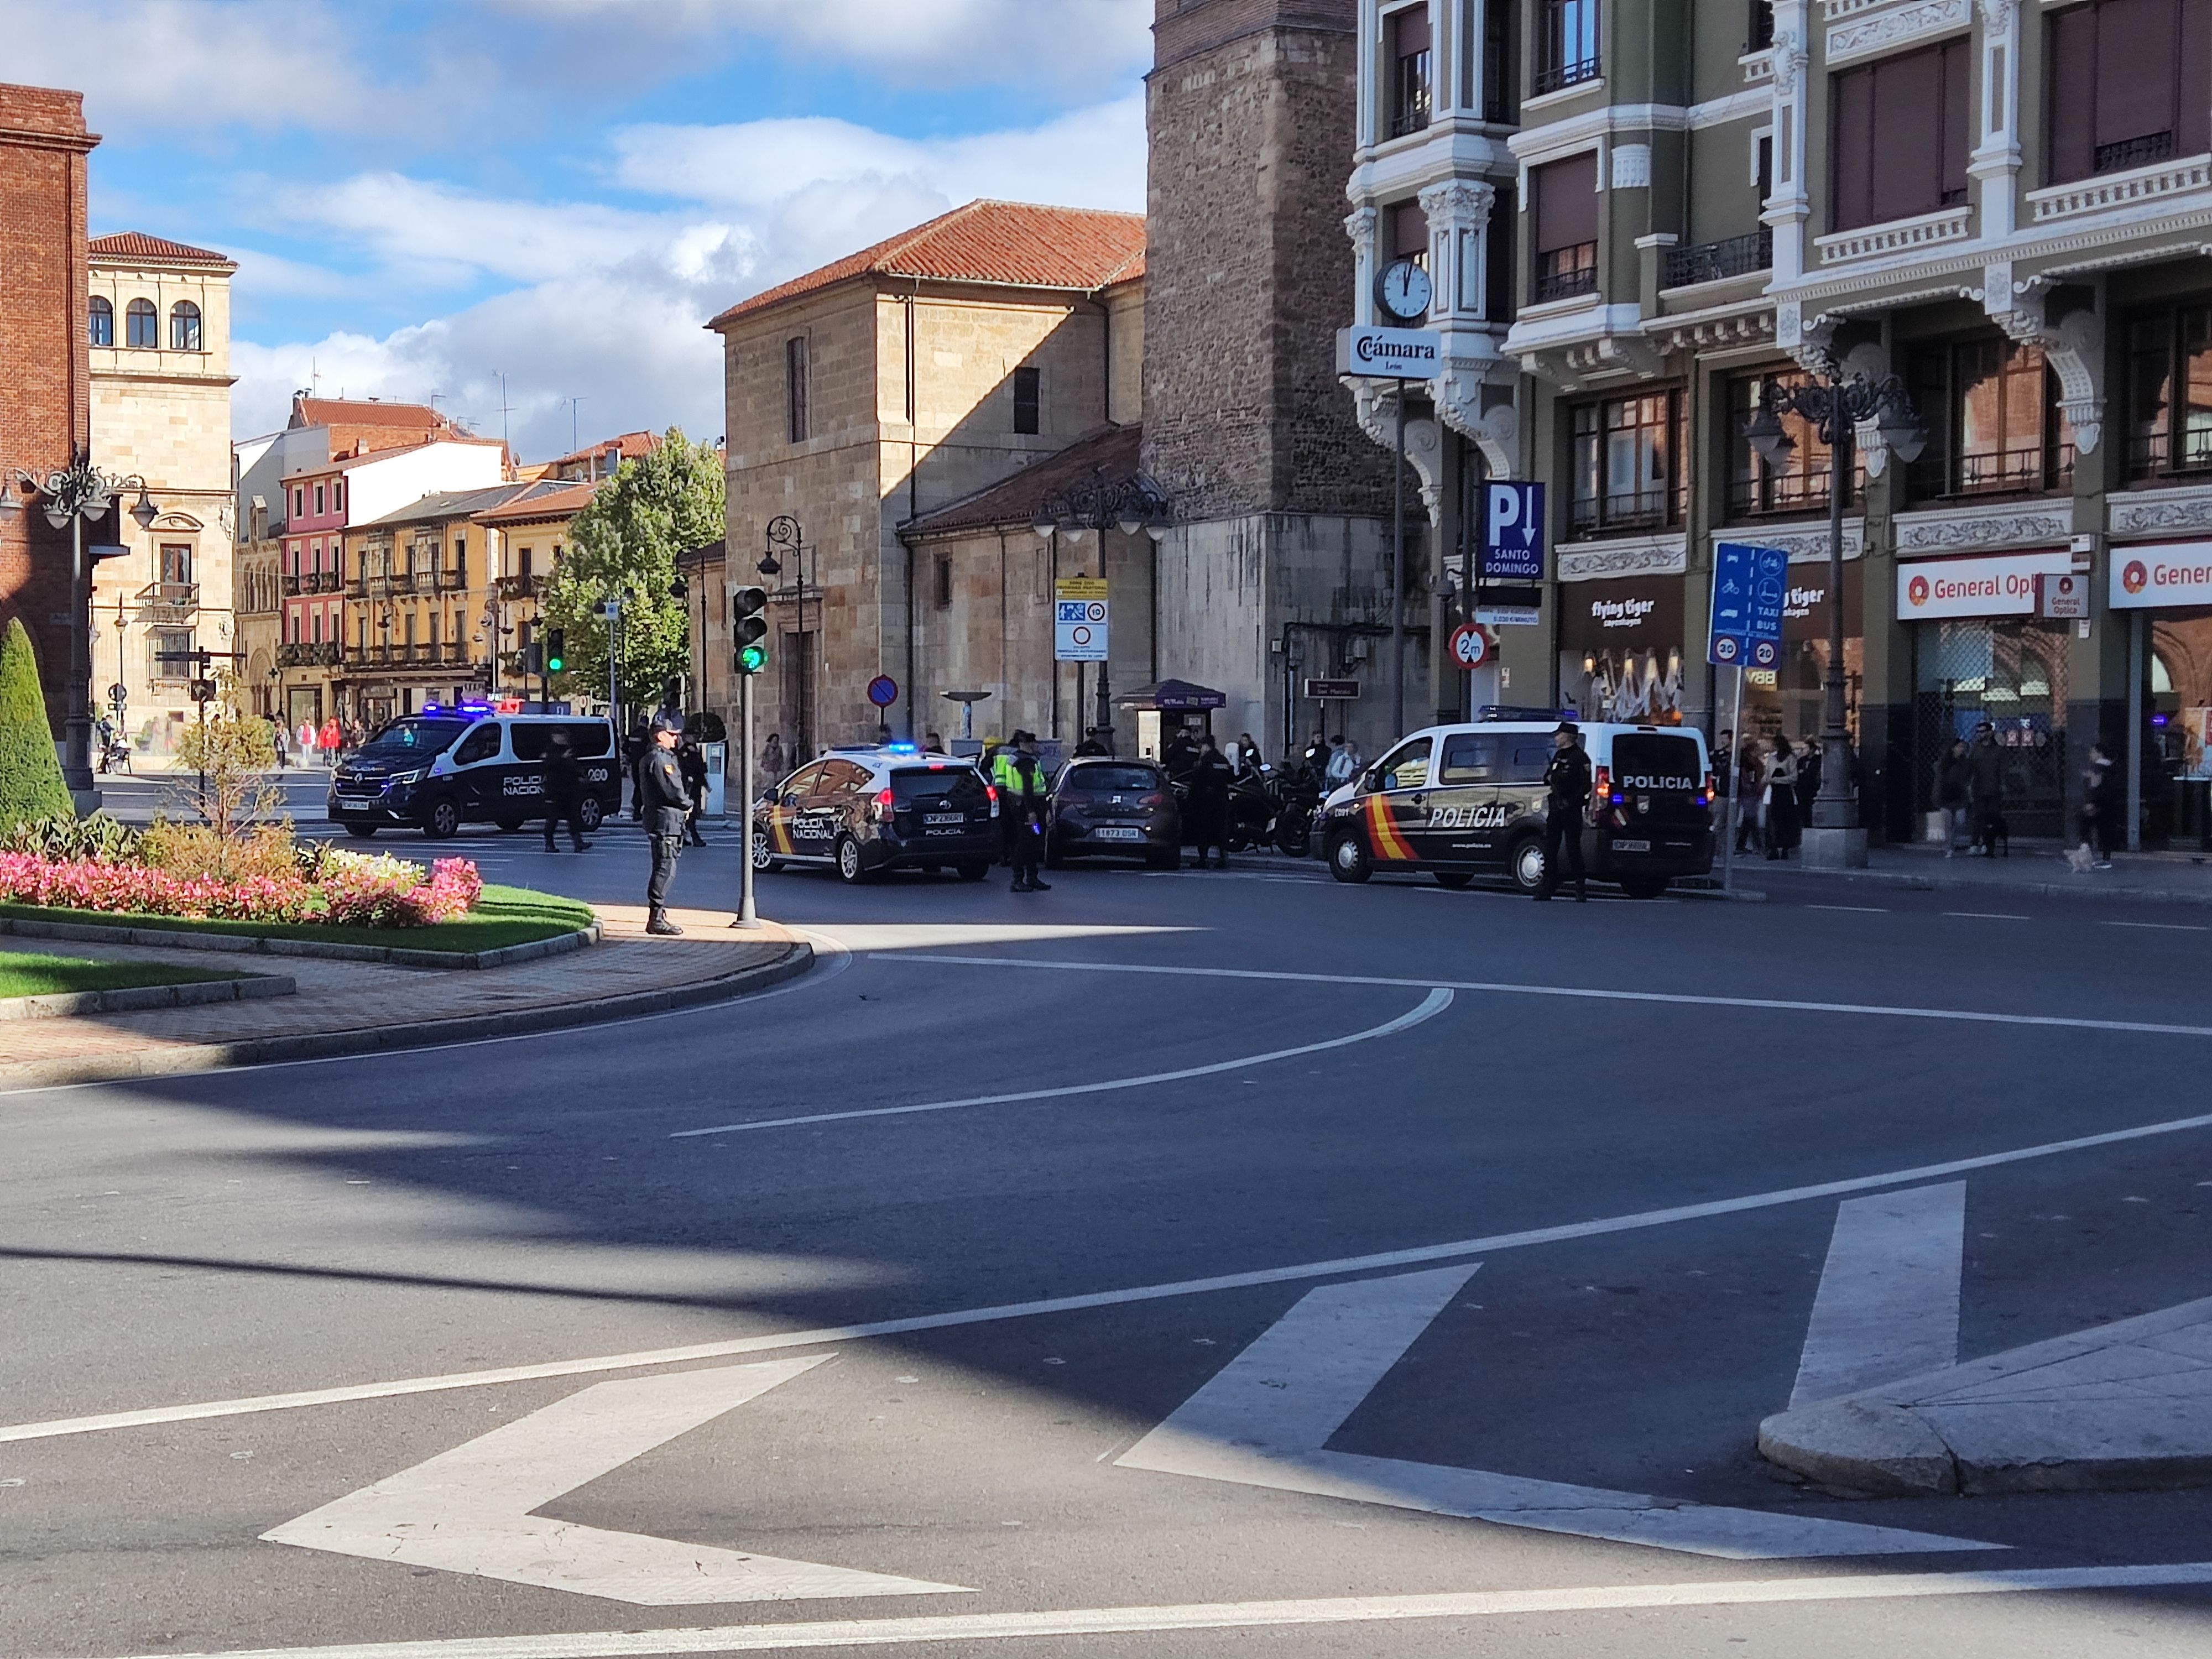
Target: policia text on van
{"type": "Point", "coordinates": [443, 767]}
{"type": "Point", "coordinates": [1462, 801]}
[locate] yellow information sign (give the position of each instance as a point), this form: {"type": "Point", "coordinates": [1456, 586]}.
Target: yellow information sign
{"type": "Point", "coordinates": [1079, 587]}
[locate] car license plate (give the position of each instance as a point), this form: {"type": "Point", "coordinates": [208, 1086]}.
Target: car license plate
{"type": "Point", "coordinates": [346, 804]}
{"type": "Point", "coordinates": [1632, 845]}
{"type": "Point", "coordinates": [955, 819]}
{"type": "Point", "coordinates": [1117, 832]}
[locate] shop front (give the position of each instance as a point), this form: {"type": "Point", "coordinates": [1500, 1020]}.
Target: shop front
{"type": "Point", "coordinates": [1981, 653]}
{"type": "Point", "coordinates": [1620, 649]}
{"type": "Point", "coordinates": [2164, 591]}
{"type": "Point", "coordinates": [1791, 698]}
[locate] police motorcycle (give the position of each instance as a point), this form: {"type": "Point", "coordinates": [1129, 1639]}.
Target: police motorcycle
{"type": "Point", "coordinates": [1254, 802]}
{"type": "Point", "coordinates": [1297, 797]}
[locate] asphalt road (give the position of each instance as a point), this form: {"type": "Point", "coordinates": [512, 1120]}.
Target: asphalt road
{"type": "Point", "coordinates": [1451, 1201]}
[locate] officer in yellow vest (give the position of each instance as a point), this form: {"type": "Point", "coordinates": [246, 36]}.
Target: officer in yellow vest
{"type": "Point", "coordinates": [1020, 780]}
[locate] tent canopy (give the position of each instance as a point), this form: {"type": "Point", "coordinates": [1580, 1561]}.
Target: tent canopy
{"type": "Point", "coordinates": [1173, 697]}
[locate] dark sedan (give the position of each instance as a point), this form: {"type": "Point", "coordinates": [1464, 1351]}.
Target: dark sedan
{"type": "Point", "coordinates": [1123, 808]}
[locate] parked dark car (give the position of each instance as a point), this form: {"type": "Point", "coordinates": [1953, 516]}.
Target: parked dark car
{"type": "Point", "coordinates": [863, 810]}
{"type": "Point", "coordinates": [1121, 808]}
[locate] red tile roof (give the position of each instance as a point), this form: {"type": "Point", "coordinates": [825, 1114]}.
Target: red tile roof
{"type": "Point", "coordinates": [561, 503]}
{"type": "Point", "coordinates": [634, 445]}
{"type": "Point", "coordinates": [363, 412]}
{"type": "Point", "coordinates": [1009, 244]}
{"type": "Point", "coordinates": [155, 250]}
{"type": "Point", "coordinates": [1107, 456]}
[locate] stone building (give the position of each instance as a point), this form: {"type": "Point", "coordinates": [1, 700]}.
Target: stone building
{"type": "Point", "coordinates": [158, 332]}
{"type": "Point", "coordinates": [881, 387]}
{"type": "Point", "coordinates": [45, 415]}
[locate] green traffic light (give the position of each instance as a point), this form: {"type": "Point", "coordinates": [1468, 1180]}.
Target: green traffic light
{"type": "Point", "coordinates": [752, 658]}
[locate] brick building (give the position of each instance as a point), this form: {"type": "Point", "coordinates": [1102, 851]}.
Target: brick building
{"type": "Point", "coordinates": [45, 415]}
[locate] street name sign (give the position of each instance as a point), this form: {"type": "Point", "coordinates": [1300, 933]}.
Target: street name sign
{"type": "Point", "coordinates": [1390, 353]}
{"type": "Point", "coordinates": [1750, 586]}
{"type": "Point", "coordinates": [1332, 690]}
{"type": "Point", "coordinates": [1079, 619]}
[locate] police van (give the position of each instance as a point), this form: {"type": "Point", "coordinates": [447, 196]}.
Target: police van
{"type": "Point", "coordinates": [864, 810]}
{"type": "Point", "coordinates": [1462, 801]}
{"type": "Point", "coordinates": [441, 768]}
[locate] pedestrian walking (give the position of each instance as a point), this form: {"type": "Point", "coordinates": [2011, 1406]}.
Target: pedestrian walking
{"type": "Point", "coordinates": [1566, 794]}
{"type": "Point", "coordinates": [691, 762]}
{"type": "Point", "coordinates": [563, 796]}
{"type": "Point", "coordinates": [1951, 797]}
{"type": "Point", "coordinates": [1750, 785]}
{"type": "Point", "coordinates": [2104, 812]}
{"type": "Point", "coordinates": [1346, 763]}
{"type": "Point", "coordinates": [333, 737]}
{"type": "Point", "coordinates": [1211, 776]}
{"type": "Point", "coordinates": [661, 785]}
{"type": "Point", "coordinates": [1023, 792]}
{"type": "Point", "coordinates": [1986, 760]}
{"type": "Point", "coordinates": [1779, 789]}
{"type": "Point", "coordinates": [773, 766]}
{"type": "Point", "coordinates": [310, 734]}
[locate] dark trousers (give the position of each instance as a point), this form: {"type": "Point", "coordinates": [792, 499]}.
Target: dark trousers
{"type": "Point", "coordinates": [568, 812]}
{"type": "Point", "coordinates": [665, 851]}
{"type": "Point", "coordinates": [1563, 846]}
{"type": "Point", "coordinates": [1025, 849]}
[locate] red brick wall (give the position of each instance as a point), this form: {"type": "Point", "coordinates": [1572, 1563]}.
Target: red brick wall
{"type": "Point", "coordinates": [45, 409]}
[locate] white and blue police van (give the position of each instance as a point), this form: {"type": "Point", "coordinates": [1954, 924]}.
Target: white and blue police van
{"type": "Point", "coordinates": [444, 766]}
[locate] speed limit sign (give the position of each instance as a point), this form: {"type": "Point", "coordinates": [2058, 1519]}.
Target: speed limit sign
{"type": "Point", "coordinates": [1471, 644]}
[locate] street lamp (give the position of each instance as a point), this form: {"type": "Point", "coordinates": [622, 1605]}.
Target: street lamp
{"type": "Point", "coordinates": [1134, 506]}
{"type": "Point", "coordinates": [786, 535]}
{"type": "Point", "coordinates": [1835, 406]}
{"type": "Point", "coordinates": [70, 495]}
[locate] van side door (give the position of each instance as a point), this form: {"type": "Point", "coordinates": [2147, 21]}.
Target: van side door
{"type": "Point", "coordinates": [1396, 813]}
{"type": "Point", "coordinates": [1464, 821]}
{"type": "Point", "coordinates": [1523, 758]}
{"type": "Point", "coordinates": [477, 771]}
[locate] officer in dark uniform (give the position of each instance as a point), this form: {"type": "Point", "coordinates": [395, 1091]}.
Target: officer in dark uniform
{"type": "Point", "coordinates": [565, 791]}
{"type": "Point", "coordinates": [667, 808]}
{"type": "Point", "coordinates": [1024, 792]}
{"type": "Point", "coordinates": [1566, 792]}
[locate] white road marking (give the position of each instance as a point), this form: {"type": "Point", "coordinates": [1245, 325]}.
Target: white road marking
{"type": "Point", "coordinates": [1575, 992]}
{"type": "Point", "coordinates": [1856, 909]}
{"type": "Point", "coordinates": [1988, 915]}
{"type": "Point", "coordinates": [1266, 1418]}
{"type": "Point", "coordinates": [1434, 1004]}
{"type": "Point", "coordinates": [468, 1509]}
{"type": "Point", "coordinates": [771, 1341]}
{"type": "Point", "coordinates": [2163, 927]}
{"type": "Point", "coordinates": [1043, 1625]}
{"type": "Point", "coordinates": [1889, 1302]}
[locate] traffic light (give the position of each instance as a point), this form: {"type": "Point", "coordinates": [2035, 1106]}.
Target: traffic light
{"type": "Point", "coordinates": [556, 652]}
{"type": "Point", "coordinates": [749, 628]}
{"type": "Point", "coordinates": [533, 659]}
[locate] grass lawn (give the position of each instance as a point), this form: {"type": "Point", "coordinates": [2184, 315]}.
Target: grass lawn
{"type": "Point", "coordinates": [27, 973]}
{"type": "Point", "coordinates": [505, 917]}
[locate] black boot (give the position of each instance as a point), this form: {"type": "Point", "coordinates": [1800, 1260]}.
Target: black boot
{"type": "Point", "coordinates": [661, 926]}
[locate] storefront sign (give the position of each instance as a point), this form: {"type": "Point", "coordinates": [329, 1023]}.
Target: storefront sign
{"type": "Point", "coordinates": [2066, 596]}
{"type": "Point", "coordinates": [2003, 586]}
{"type": "Point", "coordinates": [2162, 574]}
{"type": "Point", "coordinates": [1621, 648]}
{"type": "Point", "coordinates": [1391, 353]}
{"type": "Point", "coordinates": [1645, 610]}
{"type": "Point", "coordinates": [1805, 607]}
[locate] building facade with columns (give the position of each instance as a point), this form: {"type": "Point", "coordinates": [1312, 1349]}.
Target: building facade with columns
{"type": "Point", "coordinates": [1968, 195]}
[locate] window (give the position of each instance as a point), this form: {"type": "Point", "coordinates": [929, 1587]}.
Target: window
{"type": "Point", "coordinates": [523, 559]}
{"type": "Point", "coordinates": [1028, 382]}
{"type": "Point", "coordinates": [1627, 464]}
{"type": "Point", "coordinates": [480, 744]}
{"type": "Point", "coordinates": [1567, 54]}
{"type": "Point", "coordinates": [1408, 767]}
{"type": "Point", "coordinates": [1901, 136]}
{"type": "Point", "coordinates": [2170, 392]}
{"type": "Point", "coordinates": [1412, 64]}
{"type": "Point", "coordinates": [1497, 64]}
{"type": "Point", "coordinates": [140, 323]}
{"type": "Point", "coordinates": [317, 620]}
{"type": "Point", "coordinates": [176, 564]}
{"type": "Point", "coordinates": [944, 583]}
{"type": "Point", "coordinates": [1759, 33]}
{"type": "Point", "coordinates": [1799, 485]}
{"type": "Point", "coordinates": [1497, 256]}
{"type": "Point", "coordinates": [337, 495]}
{"type": "Point", "coordinates": [794, 387]}
{"type": "Point", "coordinates": [99, 322]}
{"type": "Point", "coordinates": [319, 509]}
{"type": "Point", "coordinates": [1566, 227]}
{"type": "Point", "coordinates": [1990, 410]}
{"type": "Point", "coordinates": [2121, 93]}
{"type": "Point", "coordinates": [299, 502]}
{"type": "Point", "coordinates": [184, 326]}
{"type": "Point", "coordinates": [168, 654]}
{"type": "Point", "coordinates": [1409, 233]}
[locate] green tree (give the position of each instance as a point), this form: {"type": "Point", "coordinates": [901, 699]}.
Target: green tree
{"type": "Point", "coordinates": [626, 542]}
{"type": "Point", "coordinates": [31, 784]}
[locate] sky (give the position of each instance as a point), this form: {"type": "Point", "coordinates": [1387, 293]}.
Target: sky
{"type": "Point", "coordinates": [424, 196]}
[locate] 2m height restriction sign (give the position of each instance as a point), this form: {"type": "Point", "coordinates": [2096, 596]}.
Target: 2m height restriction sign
{"type": "Point", "coordinates": [1749, 584]}
{"type": "Point", "coordinates": [1079, 619]}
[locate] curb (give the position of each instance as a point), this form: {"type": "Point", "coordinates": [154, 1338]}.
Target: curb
{"type": "Point", "coordinates": [797, 959]}
{"type": "Point", "coordinates": [136, 999]}
{"type": "Point", "coordinates": [394, 956]}
{"type": "Point", "coordinates": [2084, 888]}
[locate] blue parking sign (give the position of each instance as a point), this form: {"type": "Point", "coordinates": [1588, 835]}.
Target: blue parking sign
{"type": "Point", "coordinates": [1749, 584]}
{"type": "Point", "coordinates": [1513, 533]}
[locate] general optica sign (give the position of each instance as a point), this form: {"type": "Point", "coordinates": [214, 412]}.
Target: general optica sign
{"type": "Point", "coordinates": [1930, 589]}
{"type": "Point", "coordinates": [2162, 574]}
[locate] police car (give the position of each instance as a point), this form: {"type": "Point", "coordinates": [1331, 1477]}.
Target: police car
{"type": "Point", "coordinates": [865, 810]}
{"type": "Point", "coordinates": [1462, 801]}
{"type": "Point", "coordinates": [441, 768]}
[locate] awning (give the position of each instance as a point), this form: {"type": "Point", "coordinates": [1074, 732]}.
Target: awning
{"type": "Point", "coordinates": [1172, 695]}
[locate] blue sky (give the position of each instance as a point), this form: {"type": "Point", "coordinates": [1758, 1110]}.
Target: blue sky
{"type": "Point", "coordinates": [422, 194]}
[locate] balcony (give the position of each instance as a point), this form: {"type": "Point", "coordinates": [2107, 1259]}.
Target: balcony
{"type": "Point", "coordinates": [1558, 78]}
{"type": "Point", "coordinates": [1567, 272]}
{"type": "Point", "coordinates": [291, 586]}
{"type": "Point", "coordinates": [2031, 469]}
{"type": "Point", "coordinates": [1713, 262]}
{"type": "Point", "coordinates": [162, 601]}
{"type": "Point", "coordinates": [309, 656]}
{"type": "Point", "coordinates": [2152, 182]}
{"type": "Point", "coordinates": [385, 587]}
{"type": "Point", "coordinates": [2133, 153]}
{"type": "Point", "coordinates": [522, 588]}
{"type": "Point", "coordinates": [1946, 224]}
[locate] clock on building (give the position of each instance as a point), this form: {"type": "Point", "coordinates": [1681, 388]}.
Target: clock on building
{"type": "Point", "coordinates": [1405, 291]}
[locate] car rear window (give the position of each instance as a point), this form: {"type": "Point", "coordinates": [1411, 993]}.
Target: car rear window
{"type": "Point", "coordinates": [1657, 760]}
{"type": "Point", "coordinates": [957, 786]}
{"type": "Point", "coordinates": [1134, 779]}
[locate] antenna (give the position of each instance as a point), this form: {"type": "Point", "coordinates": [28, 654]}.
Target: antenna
{"type": "Point", "coordinates": [571, 402]}
{"type": "Point", "coordinates": [504, 408]}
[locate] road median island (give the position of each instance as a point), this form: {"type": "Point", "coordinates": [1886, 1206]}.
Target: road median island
{"type": "Point", "coordinates": [34, 985]}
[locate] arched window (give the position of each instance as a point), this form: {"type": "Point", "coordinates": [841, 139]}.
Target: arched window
{"type": "Point", "coordinates": [100, 326]}
{"type": "Point", "coordinates": [184, 326]}
{"type": "Point", "coordinates": [140, 322]}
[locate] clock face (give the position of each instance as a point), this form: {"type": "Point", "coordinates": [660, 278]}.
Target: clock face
{"type": "Point", "coordinates": [1405, 291]}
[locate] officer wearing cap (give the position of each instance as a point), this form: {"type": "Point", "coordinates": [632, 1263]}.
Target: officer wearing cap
{"type": "Point", "coordinates": [667, 807]}
{"type": "Point", "coordinates": [1566, 792]}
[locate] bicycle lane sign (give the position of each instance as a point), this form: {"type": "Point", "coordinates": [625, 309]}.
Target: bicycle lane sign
{"type": "Point", "coordinates": [1749, 584]}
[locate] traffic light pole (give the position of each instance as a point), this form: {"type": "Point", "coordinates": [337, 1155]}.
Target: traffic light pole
{"type": "Point", "coordinates": [747, 916]}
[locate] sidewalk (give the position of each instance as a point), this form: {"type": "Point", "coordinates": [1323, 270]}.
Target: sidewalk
{"type": "Point", "coordinates": [346, 1007]}
{"type": "Point", "coordinates": [2120, 1408]}
{"type": "Point", "coordinates": [2036, 869]}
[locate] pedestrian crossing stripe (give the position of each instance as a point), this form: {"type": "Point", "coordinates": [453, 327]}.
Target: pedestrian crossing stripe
{"type": "Point", "coordinates": [1383, 834]}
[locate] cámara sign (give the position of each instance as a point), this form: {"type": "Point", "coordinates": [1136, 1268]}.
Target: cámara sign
{"type": "Point", "coordinates": [1390, 353]}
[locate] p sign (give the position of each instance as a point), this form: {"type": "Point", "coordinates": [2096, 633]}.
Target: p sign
{"type": "Point", "coordinates": [1513, 533]}
{"type": "Point", "coordinates": [1470, 645]}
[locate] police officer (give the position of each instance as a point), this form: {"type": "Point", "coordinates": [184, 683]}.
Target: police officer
{"type": "Point", "coordinates": [1566, 792]}
{"type": "Point", "coordinates": [667, 807]}
{"type": "Point", "coordinates": [565, 791]}
{"type": "Point", "coordinates": [1022, 794]}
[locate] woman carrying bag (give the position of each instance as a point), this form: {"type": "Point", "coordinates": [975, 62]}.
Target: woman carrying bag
{"type": "Point", "coordinates": [1780, 789]}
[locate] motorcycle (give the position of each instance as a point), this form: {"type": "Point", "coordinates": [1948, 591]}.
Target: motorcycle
{"type": "Point", "coordinates": [1297, 797]}
{"type": "Point", "coordinates": [1252, 808]}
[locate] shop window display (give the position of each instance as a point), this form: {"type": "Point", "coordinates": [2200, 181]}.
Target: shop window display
{"type": "Point", "coordinates": [2013, 674]}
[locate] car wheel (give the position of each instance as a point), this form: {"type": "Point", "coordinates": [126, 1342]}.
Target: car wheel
{"type": "Point", "coordinates": [1348, 859]}
{"type": "Point", "coordinates": [590, 815]}
{"type": "Point", "coordinates": [1294, 838]}
{"type": "Point", "coordinates": [1457, 880]}
{"type": "Point", "coordinates": [1643, 887]}
{"type": "Point", "coordinates": [1525, 864]}
{"type": "Point", "coordinates": [361, 831]}
{"type": "Point", "coordinates": [510, 824]}
{"type": "Point", "coordinates": [443, 821]}
{"type": "Point", "coordinates": [849, 868]}
{"type": "Point", "coordinates": [975, 870]}
{"type": "Point", "coordinates": [764, 858]}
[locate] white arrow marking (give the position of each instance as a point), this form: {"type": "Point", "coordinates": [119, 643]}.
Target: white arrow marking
{"type": "Point", "coordinates": [468, 1509]}
{"type": "Point", "coordinates": [1889, 1302]}
{"type": "Point", "coordinates": [1265, 1419]}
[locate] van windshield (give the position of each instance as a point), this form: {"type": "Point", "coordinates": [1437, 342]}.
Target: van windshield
{"type": "Point", "coordinates": [413, 735]}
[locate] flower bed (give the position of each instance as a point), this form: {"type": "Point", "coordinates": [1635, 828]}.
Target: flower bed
{"type": "Point", "coordinates": [347, 888]}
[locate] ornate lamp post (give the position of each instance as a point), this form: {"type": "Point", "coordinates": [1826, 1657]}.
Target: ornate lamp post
{"type": "Point", "coordinates": [1835, 406]}
{"type": "Point", "coordinates": [70, 495]}
{"type": "Point", "coordinates": [785, 535]}
{"type": "Point", "coordinates": [1134, 506]}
